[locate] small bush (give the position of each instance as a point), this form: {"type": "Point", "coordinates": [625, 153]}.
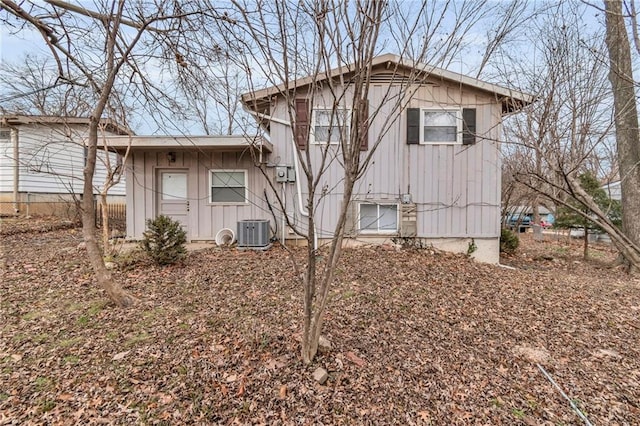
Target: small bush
{"type": "Point", "coordinates": [508, 241]}
{"type": "Point", "coordinates": [164, 241]}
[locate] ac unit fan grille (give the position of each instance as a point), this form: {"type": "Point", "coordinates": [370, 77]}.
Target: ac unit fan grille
{"type": "Point", "coordinates": [253, 233]}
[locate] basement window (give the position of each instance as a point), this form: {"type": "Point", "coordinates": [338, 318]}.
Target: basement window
{"type": "Point", "coordinates": [378, 218]}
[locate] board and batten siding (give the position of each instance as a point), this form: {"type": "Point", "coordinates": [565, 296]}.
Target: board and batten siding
{"type": "Point", "coordinates": [204, 218]}
{"type": "Point", "coordinates": [456, 188]}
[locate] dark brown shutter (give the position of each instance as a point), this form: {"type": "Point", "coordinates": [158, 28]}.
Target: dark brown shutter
{"type": "Point", "coordinates": [413, 126]}
{"type": "Point", "coordinates": [364, 124]}
{"type": "Point", "coordinates": [468, 126]}
{"type": "Point", "coordinates": [302, 123]}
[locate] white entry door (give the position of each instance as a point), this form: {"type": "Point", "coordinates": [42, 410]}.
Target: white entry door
{"type": "Point", "coordinates": [173, 200]}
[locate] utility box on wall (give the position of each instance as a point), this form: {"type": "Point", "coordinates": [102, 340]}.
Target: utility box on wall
{"type": "Point", "coordinates": [285, 174]}
{"type": "Point", "coordinates": [253, 233]}
{"type": "Point", "coordinates": [281, 174]}
{"type": "Point", "coordinates": [408, 221]}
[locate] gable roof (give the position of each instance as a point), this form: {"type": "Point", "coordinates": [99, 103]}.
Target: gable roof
{"type": "Point", "coordinates": [511, 100]}
{"type": "Point", "coordinates": [19, 120]}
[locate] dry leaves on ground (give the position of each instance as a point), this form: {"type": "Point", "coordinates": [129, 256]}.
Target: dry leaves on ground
{"type": "Point", "coordinates": [417, 338]}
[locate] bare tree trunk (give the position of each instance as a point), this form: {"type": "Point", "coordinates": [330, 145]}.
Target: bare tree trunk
{"type": "Point", "coordinates": [585, 245]}
{"type": "Point", "coordinates": [104, 212]}
{"type": "Point", "coordinates": [314, 320]}
{"type": "Point", "coordinates": [103, 276]}
{"type": "Point", "coordinates": [626, 118]}
{"type": "Point", "coordinates": [308, 344]}
{"type": "Point", "coordinates": [570, 130]}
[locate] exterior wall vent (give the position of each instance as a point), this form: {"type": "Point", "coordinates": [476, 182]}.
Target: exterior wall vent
{"type": "Point", "coordinates": [408, 221]}
{"type": "Point", "coordinates": [253, 233]}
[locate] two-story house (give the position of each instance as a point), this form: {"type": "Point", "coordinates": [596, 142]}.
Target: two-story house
{"type": "Point", "coordinates": [434, 177]}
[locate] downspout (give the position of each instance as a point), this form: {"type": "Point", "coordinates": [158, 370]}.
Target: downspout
{"type": "Point", "coordinates": [16, 169]}
{"type": "Point", "coordinates": [284, 219]}
{"type": "Point", "coordinates": [296, 167]}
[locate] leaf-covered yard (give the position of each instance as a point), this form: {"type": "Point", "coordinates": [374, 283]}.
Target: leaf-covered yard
{"type": "Point", "coordinates": [419, 337]}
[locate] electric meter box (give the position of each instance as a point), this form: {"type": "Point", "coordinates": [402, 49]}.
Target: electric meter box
{"type": "Point", "coordinates": [285, 174]}
{"type": "Point", "coordinates": [281, 173]}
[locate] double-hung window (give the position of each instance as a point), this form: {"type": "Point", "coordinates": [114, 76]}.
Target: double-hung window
{"type": "Point", "coordinates": [378, 218]}
{"type": "Point", "coordinates": [329, 125]}
{"type": "Point", "coordinates": [228, 186]}
{"type": "Point", "coordinates": [441, 126]}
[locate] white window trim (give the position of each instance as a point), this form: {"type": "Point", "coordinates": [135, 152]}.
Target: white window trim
{"type": "Point", "coordinates": [458, 112]}
{"type": "Point", "coordinates": [379, 231]}
{"type": "Point", "coordinates": [312, 132]}
{"type": "Point", "coordinates": [246, 187]}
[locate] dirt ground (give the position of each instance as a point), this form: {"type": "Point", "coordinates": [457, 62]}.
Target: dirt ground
{"type": "Point", "coordinates": [419, 337]}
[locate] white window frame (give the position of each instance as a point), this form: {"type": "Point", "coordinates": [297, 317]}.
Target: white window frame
{"type": "Point", "coordinates": [458, 114]}
{"type": "Point", "coordinates": [378, 231]}
{"type": "Point", "coordinates": [312, 135]}
{"type": "Point", "coordinates": [246, 186]}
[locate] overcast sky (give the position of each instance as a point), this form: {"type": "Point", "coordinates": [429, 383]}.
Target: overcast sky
{"type": "Point", "coordinates": [14, 46]}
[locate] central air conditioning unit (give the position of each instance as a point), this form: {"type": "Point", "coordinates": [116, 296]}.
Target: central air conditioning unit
{"type": "Point", "coordinates": [253, 233]}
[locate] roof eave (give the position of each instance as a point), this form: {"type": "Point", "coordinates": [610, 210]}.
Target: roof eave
{"type": "Point", "coordinates": [512, 100]}
{"type": "Point", "coordinates": [21, 119]}
{"type": "Point", "coordinates": [184, 143]}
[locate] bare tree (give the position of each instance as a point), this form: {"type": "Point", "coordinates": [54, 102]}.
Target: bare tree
{"type": "Point", "coordinates": [211, 90]}
{"type": "Point", "coordinates": [568, 131]}
{"type": "Point", "coordinates": [114, 174]}
{"type": "Point", "coordinates": [514, 195]}
{"type": "Point", "coordinates": [130, 36]}
{"type": "Point", "coordinates": [32, 86]}
{"type": "Point", "coordinates": [332, 45]}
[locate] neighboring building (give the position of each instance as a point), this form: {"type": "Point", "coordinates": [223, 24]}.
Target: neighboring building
{"type": "Point", "coordinates": [42, 160]}
{"type": "Point", "coordinates": [435, 176]}
{"type": "Point", "coordinates": [517, 212]}
{"type": "Point", "coordinates": [613, 190]}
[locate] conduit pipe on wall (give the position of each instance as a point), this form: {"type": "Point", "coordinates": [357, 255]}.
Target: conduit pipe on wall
{"type": "Point", "coordinates": [296, 167]}
{"type": "Point", "coordinates": [284, 219]}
